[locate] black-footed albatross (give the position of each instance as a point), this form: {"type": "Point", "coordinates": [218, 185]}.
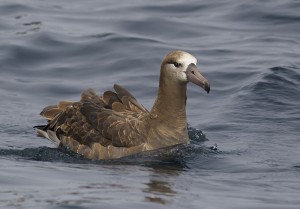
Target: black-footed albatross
{"type": "Point", "coordinates": [115, 125]}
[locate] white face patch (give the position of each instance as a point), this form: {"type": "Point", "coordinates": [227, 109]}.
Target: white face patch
{"type": "Point", "coordinates": [185, 59]}
{"type": "Point", "coordinates": [182, 76]}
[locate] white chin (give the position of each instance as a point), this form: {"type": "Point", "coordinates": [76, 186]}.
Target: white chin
{"type": "Point", "coordinates": [182, 76]}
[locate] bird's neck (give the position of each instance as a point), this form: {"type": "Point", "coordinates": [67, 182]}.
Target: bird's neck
{"type": "Point", "coordinates": [170, 104]}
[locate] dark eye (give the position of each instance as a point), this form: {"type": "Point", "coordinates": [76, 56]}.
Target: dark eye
{"type": "Point", "coordinates": [176, 64]}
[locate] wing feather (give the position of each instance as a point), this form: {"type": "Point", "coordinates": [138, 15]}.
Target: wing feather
{"type": "Point", "coordinates": [123, 94]}
{"type": "Point", "coordinates": [115, 118]}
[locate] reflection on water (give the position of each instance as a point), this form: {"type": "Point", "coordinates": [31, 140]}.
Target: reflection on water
{"type": "Point", "coordinates": [159, 188]}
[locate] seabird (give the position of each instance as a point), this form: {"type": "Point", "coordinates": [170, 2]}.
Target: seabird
{"type": "Point", "coordinates": [115, 124]}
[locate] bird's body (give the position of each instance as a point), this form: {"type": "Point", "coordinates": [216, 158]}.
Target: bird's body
{"type": "Point", "coordinates": [115, 125]}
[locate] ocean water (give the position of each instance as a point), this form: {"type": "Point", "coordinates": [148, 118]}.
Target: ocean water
{"type": "Point", "coordinates": [248, 50]}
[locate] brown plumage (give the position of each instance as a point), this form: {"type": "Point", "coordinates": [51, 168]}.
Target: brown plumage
{"type": "Point", "coordinates": [115, 125]}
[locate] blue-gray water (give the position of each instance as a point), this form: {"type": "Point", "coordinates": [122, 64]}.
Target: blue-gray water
{"type": "Point", "coordinates": [248, 50]}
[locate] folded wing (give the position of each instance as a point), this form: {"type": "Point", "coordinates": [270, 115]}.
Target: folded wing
{"type": "Point", "coordinates": [115, 118]}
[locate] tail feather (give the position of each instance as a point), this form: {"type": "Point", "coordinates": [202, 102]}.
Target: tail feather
{"type": "Point", "coordinates": [42, 131]}
{"type": "Point", "coordinates": [42, 127]}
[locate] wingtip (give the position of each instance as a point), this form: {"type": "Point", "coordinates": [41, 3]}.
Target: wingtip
{"type": "Point", "coordinates": [116, 86]}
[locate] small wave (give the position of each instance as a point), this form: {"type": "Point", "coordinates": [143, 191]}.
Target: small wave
{"type": "Point", "coordinates": [32, 23]}
{"type": "Point", "coordinates": [196, 135]}
{"type": "Point", "coordinates": [264, 13]}
{"type": "Point", "coordinates": [271, 98]}
{"type": "Point", "coordinates": [113, 37]}
{"type": "Point", "coordinates": [9, 8]}
{"type": "Point", "coordinates": [43, 154]}
{"type": "Point", "coordinates": [171, 8]}
{"type": "Point", "coordinates": [278, 86]}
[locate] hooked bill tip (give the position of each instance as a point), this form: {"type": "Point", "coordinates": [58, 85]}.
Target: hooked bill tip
{"type": "Point", "coordinates": [207, 87]}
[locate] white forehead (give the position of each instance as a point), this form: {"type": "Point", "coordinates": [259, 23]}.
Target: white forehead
{"type": "Point", "coordinates": [187, 59]}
